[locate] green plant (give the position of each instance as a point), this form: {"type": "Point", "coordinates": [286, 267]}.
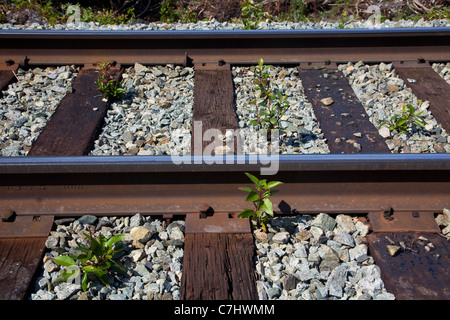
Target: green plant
{"type": "Point", "coordinates": [263, 210]}
{"type": "Point", "coordinates": [167, 12]}
{"type": "Point", "coordinates": [44, 9]}
{"type": "Point", "coordinates": [110, 88]}
{"type": "Point", "coordinates": [402, 123]}
{"type": "Point", "coordinates": [103, 16]}
{"type": "Point", "coordinates": [96, 259]}
{"type": "Point", "coordinates": [171, 14]}
{"type": "Point", "coordinates": [252, 14]}
{"type": "Point", "coordinates": [437, 12]}
{"type": "Point", "coordinates": [270, 106]}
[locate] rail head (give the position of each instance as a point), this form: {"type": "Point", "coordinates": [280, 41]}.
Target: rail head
{"type": "Point", "coordinates": [235, 163]}
{"type": "Point", "coordinates": [45, 47]}
{"type": "Point", "coordinates": [156, 186]}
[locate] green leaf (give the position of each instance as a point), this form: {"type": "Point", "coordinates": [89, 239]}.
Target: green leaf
{"type": "Point", "coordinates": [64, 261]}
{"type": "Point", "coordinates": [253, 178]}
{"type": "Point", "coordinates": [247, 213]}
{"type": "Point", "coordinates": [401, 122]}
{"type": "Point", "coordinates": [101, 275]}
{"type": "Point", "coordinates": [279, 95]}
{"type": "Point", "coordinates": [267, 206]}
{"type": "Point", "coordinates": [66, 274]}
{"type": "Point", "coordinates": [269, 193]}
{"type": "Point", "coordinates": [104, 265]}
{"type": "Point", "coordinates": [84, 281]}
{"type": "Point", "coordinates": [103, 243]}
{"type": "Point", "coordinates": [118, 267]}
{"type": "Point", "coordinates": [273, 184]}
{"type": "Point", "coordinates": [115, 239]}
{"type": "Point", "coordinates": [89, 268]}
{"type": "Point", "coordinates": [420, 122]}
{"type": "Point", "coordinates": [117, 248]}
{"type": "Point", "coordinates": [263, 183]}
{"type": "Point", "coordinates": [96, 247]}
{"type": "Point", "coordinates": [82, 257]}
{"type": "Point", "coordinates": [246, 189]}
{"type": "Point", "coordinates": [83, 249]}
{"type": "Point", "coordinates": [263, 226]}
{"type": "Point", "coordinates": [87, 236]}
{"type": "Point", "coordinates": [253, 122]}
{"type": "Point", "coordinates": [252, 196]}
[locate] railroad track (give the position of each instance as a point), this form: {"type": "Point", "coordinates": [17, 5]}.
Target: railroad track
{"type": "Point", "coordinates": [397, 192]}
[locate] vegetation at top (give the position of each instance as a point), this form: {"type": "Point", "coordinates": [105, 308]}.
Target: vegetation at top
{"type": "Point", "coordinates": [248, 12]}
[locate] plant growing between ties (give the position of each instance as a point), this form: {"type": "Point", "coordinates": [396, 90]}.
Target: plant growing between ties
{"type": "Point", "coordinates": [270, 106]}
{"type": "Point", "coordinates": [408, 119]}
{"type": "Point", "coordinates": [96, 259]}
{"type": "Point", "coordinates": [110, 88]}
{"type": "Point", "coordinates": [263, 210]}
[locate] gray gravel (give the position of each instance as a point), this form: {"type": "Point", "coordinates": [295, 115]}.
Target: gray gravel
{"type": "Point", "coordinates": [317, 258]}
{"type": "Point", "coordinates": [155, 116]}
{"type": "Point", "coordinates": [28, 104]}
{"type": "Point", "coordinates": [153, 255]}
{"type": "Point", "coordinates": [443, 70]}
{"type": "Point", "coordinates": [303, 257]}
{"type": "Point", "coordinates": [215, 25]}
{"type": "Point", "coordinates": [383, 94]}
{"type": "Point", "coordinates": [301, 133]}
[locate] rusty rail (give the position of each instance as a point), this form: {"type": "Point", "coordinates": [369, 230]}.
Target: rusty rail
{"type": "Point", "coordinates": [155, 185]}
{"type": "Point", "coordinates": [234, 47]}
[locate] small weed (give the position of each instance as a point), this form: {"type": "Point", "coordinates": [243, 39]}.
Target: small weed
{"type": "Point", "coordinates": [263, 210]}
{"type": "Point", "coordinates": [408, 119]}
{"type": "Point", "coordinates": [97, 259]}
{"type": "Point", "coordinates": [270, 106]}
{"type": "Point", "coordinates": [110, 88]}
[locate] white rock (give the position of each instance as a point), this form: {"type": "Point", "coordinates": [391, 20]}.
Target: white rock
{"type": "Point", "coordinates": [140, 234]}
{"type": "Point", "coordinates": [281, 237]}
{"type": "Point", "coordinates": [384, 132]}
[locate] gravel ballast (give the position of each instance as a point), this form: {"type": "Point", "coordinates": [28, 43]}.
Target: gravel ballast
{"type": "Point", "coordinates": [383, 94]}
{"type": "Point", "coordinates": [215, 25]}
{"type": "Point", "coordinates": [301, 133]}
{"type": "Point", "coordinates": [302, 257]}
{"type": "Point", "coordinates": [155, 116]}
{"type": "Point", "coordinates": [28, 104]}
{"type": "Point", "coordinates": [317, 258]}
{"type": "Point", "coordinates": [153, 255]}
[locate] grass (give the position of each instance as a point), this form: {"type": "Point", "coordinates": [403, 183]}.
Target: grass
{"type": "Point", "coordinates": [247, 12]}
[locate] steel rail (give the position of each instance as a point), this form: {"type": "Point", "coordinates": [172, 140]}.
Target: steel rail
{"type": "Point", "coordinates": [233, 47]}
{"type": "Point", "coordinates": [155, 185]}
{"type": "Point", "coordinates": [238, 163]}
